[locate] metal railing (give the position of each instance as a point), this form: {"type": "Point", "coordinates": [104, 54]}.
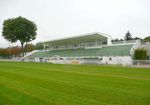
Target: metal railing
{"type": "Point", "coordinates": [141, 63]}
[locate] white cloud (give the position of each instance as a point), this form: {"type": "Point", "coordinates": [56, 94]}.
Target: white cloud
{"type": "Point", "coordinates": [61, 18]}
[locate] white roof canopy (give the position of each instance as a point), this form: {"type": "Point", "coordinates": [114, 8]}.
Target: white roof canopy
{"type": "Point", "coordinates": [79, 39]}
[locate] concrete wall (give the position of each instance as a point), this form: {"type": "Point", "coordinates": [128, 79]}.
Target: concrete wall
{"type": "Point", "coordinates": [125, 60]}
{"type": "Point", "coordinates": [113, 60]}
{"type": "Point", "coordinates": [118, 60]}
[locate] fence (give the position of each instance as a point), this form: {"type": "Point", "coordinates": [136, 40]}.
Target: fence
{"type": "Point", "coordinates": [10, 59]}
{"type": "Point", "coordinates": [141, 63]}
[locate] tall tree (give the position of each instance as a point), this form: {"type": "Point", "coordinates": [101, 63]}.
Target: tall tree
{"type": "Point", "coordinates": [19, 29]}
{"type": "Point", "coordinates": [128, 36]}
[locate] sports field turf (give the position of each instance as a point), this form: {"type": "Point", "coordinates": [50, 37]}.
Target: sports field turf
{"type": "Point", "coordinates": [49, 84]}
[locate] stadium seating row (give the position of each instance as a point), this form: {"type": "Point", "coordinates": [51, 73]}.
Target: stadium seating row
{"type": "Point", "coordinates": [119, 50]}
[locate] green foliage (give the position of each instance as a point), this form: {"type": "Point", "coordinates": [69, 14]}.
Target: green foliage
{"type": "Point", "coordinates": [49, 84]}
{"type": "Point", "coordinates": [10, 51]}
{"type": "Point", "coordinates": [140, 54]}
{"type": "Point", "coordinates": [147, 38]}
{"type": "Point", "coordinates": [19, 29]}
{"type": "Point", "coordinates": [29, 47]}
{"type": "Point", "coordinates": [39, 46]}
{"type": "Point", "coordinates": [128, 36]}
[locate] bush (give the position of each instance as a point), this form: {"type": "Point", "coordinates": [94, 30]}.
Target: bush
{"type": "Point", "coordinates": [140, 54]}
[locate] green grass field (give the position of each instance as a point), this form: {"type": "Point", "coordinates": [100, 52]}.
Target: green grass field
{"type": "Point", "coordinates": [51, 84]}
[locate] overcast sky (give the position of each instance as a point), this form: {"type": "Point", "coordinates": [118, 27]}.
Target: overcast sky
{"type": "Point", "coordinates": [63, 18]}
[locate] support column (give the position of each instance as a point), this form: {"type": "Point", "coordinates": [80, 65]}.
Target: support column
{"type": "Point", "coordinates": [95, 42]}
{"type": "Point", "coordinates": [109, 41]}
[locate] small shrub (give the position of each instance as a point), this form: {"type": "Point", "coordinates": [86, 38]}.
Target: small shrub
{"type": "Point", "coordinates": [140, 54]}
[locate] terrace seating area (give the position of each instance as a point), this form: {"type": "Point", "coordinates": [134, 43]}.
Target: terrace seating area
{"type": "Point", "coordinates": [119, 50]}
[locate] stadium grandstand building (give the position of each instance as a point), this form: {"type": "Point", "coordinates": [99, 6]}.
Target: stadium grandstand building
{"type": "Point", "coordinates": [92, 48]}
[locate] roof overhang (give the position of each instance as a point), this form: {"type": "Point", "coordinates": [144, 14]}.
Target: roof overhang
{"type": "Point", "coordinates": [79, 39]}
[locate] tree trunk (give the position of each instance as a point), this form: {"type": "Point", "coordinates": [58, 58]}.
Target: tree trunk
{"type": "Point", "coordinates": [22, 48]}
{"type": "Point", "coordinates": [25, 48]}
